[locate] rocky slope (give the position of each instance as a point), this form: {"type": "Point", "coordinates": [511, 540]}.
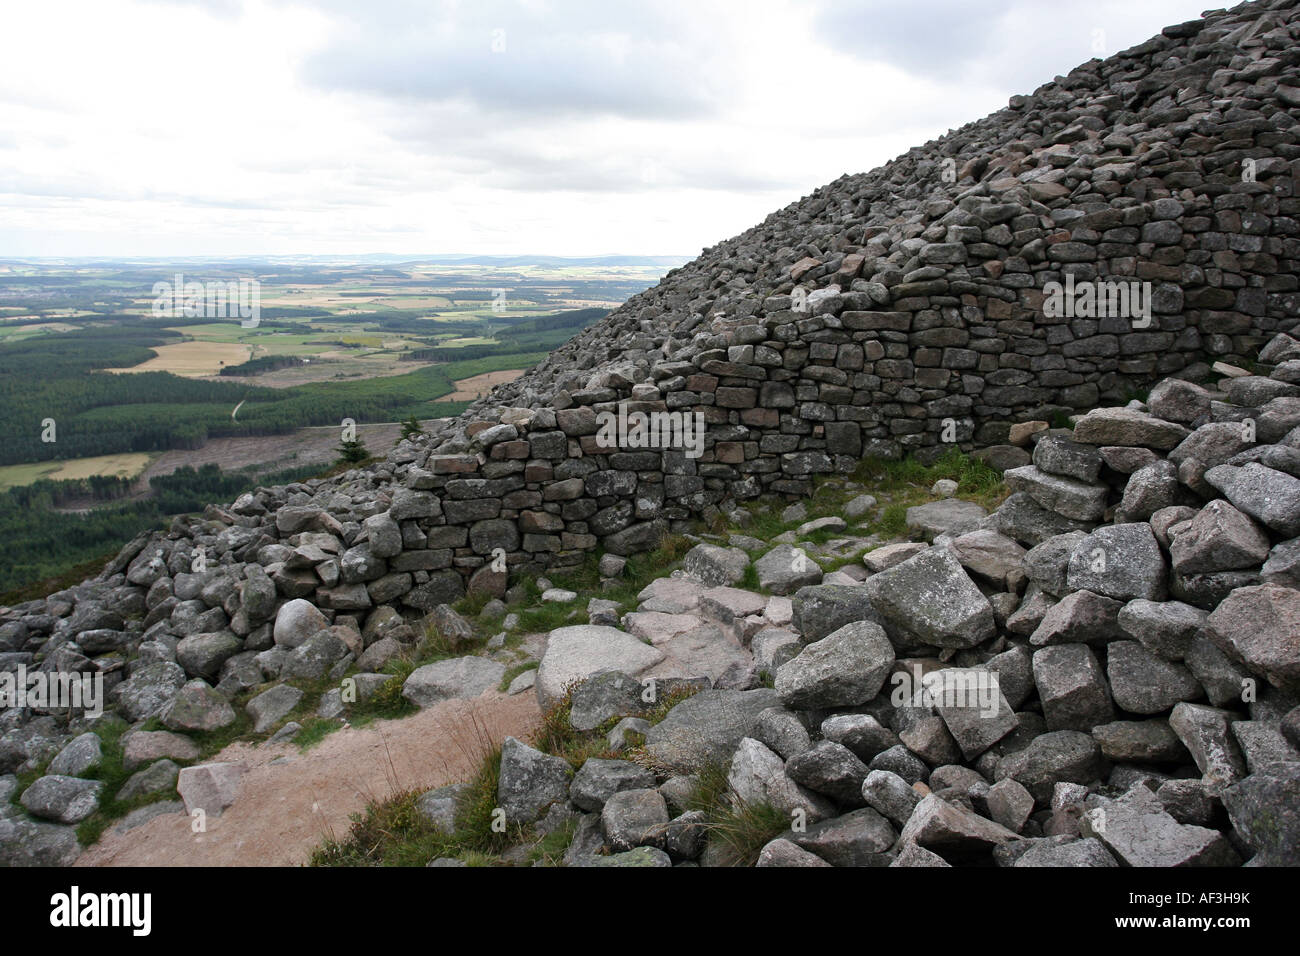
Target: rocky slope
{"type": "Point", "coordinates": [1135, 595]}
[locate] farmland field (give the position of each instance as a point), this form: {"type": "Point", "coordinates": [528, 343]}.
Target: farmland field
{"type": "Point", "coordinates": [123, 466]}
{"type": "Point", "coordinates": [192, 359]}
{"type": "Point", "coordinates": [141, 400]}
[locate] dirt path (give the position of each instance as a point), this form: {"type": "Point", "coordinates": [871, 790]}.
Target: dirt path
{"type": "Point", "coordinates": [291, 800]}
{"type": "Point", "coordinates": [476, 386]}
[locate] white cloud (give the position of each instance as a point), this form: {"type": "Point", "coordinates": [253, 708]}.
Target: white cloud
{"type": "Point", "coordinates": [205, 127]}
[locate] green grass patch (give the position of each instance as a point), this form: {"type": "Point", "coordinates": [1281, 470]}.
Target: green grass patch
{"type": "Point", "coordinates": [314, 730]}
{"type": "Point", "coordinates": [512, 672]}
{"type": "Point", "coordinates": [113, 773]}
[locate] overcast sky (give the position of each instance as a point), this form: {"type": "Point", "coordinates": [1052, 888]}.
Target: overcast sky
{"type": "Point", "coordinates": [573, 127]}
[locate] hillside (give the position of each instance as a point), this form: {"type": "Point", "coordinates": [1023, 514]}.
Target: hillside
{"type": "Point", "coordinates": [1026, 401]}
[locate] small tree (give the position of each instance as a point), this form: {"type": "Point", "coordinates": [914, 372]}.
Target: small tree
{"type": "Point", "coordinates": [353, 452]}
{"type": "Point", "coordinates": [411, 428]}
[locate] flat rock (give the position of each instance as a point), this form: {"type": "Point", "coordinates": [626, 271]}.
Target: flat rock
{"type": "Point", "coordinates": [456, 678]}
{"type": "Point", "coordinates": [948, 516]}
{"type": "Point", "coordinates": [580, 651]}
{"type": "Point", "coordinates": [1126, 426]}
{"type": "Point", "coordinates": [1121, 561]}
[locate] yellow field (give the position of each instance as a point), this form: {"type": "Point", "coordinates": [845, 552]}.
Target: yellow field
{"type": "Point", "coordinates": [126, 465]}
{"type": "Point", "coordinates": [193, 359]}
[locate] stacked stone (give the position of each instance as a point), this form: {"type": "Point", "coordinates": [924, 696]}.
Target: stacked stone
{"type": "Point", "coordinates": [887, 313]}
{"type": "Point", "coordinates": [1144, 666]}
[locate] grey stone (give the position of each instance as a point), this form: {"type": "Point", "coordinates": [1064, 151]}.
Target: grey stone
{"type": "Point", "coordinates": [271, 706]}
{"type": "Point", "coordinates": [929, 599]}
{"type": "Point", "coordinates": [1204, 732]}
{"type": "Point", "coordinates": [1068, 497]}
{"type": "Point", "coordinates": [29, 843]}
{"type": "Point", "coordinates": [1137, 830]}
{"type": "Point", "coordinates": [890, 795]}
{"type": "Point", "coordinates": [1260, 627]}
{"type": "Point", "coordinates": [1122, 561]}
{"type": "Point", "coordinates": [62, 799]}
{"type": "Point", "coordinates": [952, 831]}
{"type": "Point", "coordinates": [580, 651]}
{"type": "Point", "coordinates": [1269, 496]}
{"type": "Point", "coordinates": [781, 852]}
{"type": "Point", "coordinates": [1077, 853]}
{"type": "Point", "coordinates": [454, 678]}
{"type": "Point", "coordinates": [822, 609]}
{"type": "Point", "coordinates": [1219, 538]}
{"type": "Point", "coordinates": [1165, 628]}
{"type": "Point", "coordinates": [1059, 756]}
{"type": "Point", "coordinates": [210, 787]}
{"type": "Point", "coordinates": [296, 621]}
{"type": "Point", "coordinates": [861, 733]}
{"type": "Point", "coordinates": [1140, 741]}
{"type": "Point", "coordinates": [705, 728]}
{"type": "Point", "coordinates": [197, 707]}
{"type": "Point", "coordinates": [149, 689]}
{"type": "Point", "coordinates": [785, 569]}
{"type": "Point", "coordinates": [948, 516]}
{"type": "Point", "coordinates": [598, 779]}
{"type": "Point", "coordinates": [860, 837]}
{"type": "Point", "coordinates": [1143, 683]}
{"type": "Point", "coordinates": [757, 776]}
{"type": "Point", "coordinates": [634, 818]}
{"type": "Point", "coordinates": [83, 754]}
{"type": "Point", "coordinates": [846, 668]}
{"type": "Point", "coordinates": [714, 566]}
{"type": "Point", "coordinates": [831, 769]}
{"type": "Point", "coordinates": [157, 777]}
{"type": "Point", "coordinates": [530, 781]}
{"type": "Point", "coordinates": [1079, 618]}
{"type": "Point", "coordinates": [1265, 812]}
{"type": "Point", "coordinates": [1072, 687]}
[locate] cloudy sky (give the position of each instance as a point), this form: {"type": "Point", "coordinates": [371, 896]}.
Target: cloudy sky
{"type": "Point", "coordinates": [570, 127]}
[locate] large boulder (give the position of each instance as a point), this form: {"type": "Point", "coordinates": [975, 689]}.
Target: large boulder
{"type": "Point", "coordinates": [1072, 687]}
{"type": "Point", "coordinates": [715, 566]}
{"type": "Point", "coordinates": [1121, 561]}
{"type": "Point", "coordinates": [530, 781]}
{"type": "Point", "coordinates": [149, 689]}
{"type": "Point", "coordinates": [1267, 495]}
{"type": "Point", "coordinates": [1260, 627]}
{"type": "Point", "coordinates": [929, 599]}
{"type": "Point", "coordinates": [457, 677]}
{"type": "Point", "coordinates": [1219, 538]}
{"type": "Point", "coordinates": [197, 708]}
{"type": "Point", "coordinates": [296, 621]}
{"type": "Point", "coordinates": [62, 799]}
{"type": "Point", "coordinates": [821, 609]}
{"type": "Point", "coordinates": [583, 650]}
{"type": "Point", "coordinates": [848, 667]}
{"type": "Point", "coordinates": [705, 728]}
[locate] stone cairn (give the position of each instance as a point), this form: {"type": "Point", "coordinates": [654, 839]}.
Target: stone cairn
{"type": "Point", "coordinates": [1135, 596]}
